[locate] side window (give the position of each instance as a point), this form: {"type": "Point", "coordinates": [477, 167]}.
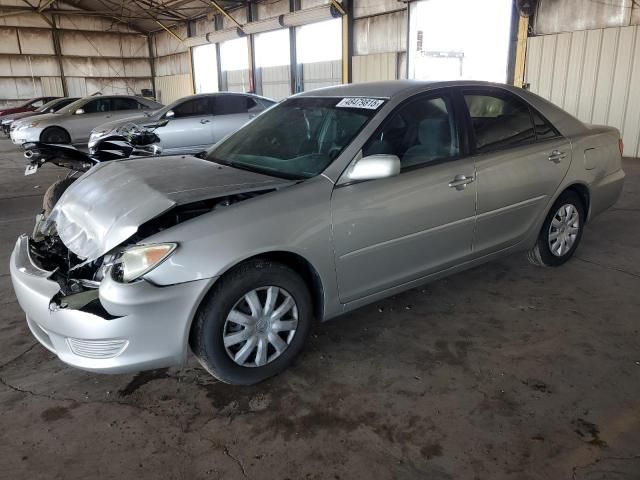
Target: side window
{"type": "Point", "coordinates": [124, 104]}
{"type": "Point", "coordinates": [419, 132]}
{"type": "Point", "coordinates": [192, 108]}
{"type": "Point", "coordinates": [98, 105]}
{"type": "Point", "coordinates": [544, 129]}
{"type": "Point", "coordinates": [499, 120]}
{"type": "Point", "coordinates": [38, 103]}
{"type": "Point", "coordinates": [230, 104]}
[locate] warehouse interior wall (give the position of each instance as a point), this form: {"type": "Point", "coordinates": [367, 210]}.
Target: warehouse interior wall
{"type": "Point", "coordinates": [74, 55]}
{"type": "Point", "coordinates": [585, 58]}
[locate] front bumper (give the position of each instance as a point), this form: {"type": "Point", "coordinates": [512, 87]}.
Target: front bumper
{"type": "Point", "coordinates": [25, 135]}
{"type": "Point", "coordinates": [144, 326]}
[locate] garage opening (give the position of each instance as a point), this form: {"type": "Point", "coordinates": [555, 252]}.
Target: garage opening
{"type": "Point", "coordinates": [205, 69]}
{"type": "Point", "coordinates": [459, 39]}
{"type": "Point", "coordinates": [273, 59]}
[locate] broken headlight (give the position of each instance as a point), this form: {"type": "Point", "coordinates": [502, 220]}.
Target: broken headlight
{"type": "Point", "coordinates": [137, 260]}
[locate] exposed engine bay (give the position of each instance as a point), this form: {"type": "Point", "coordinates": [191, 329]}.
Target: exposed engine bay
{"type": "Point", "coordinates": [76, 275]}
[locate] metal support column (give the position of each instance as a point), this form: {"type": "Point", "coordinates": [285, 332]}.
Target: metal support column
{"type": "Point", "coordinates": [296, 78]}
{"type": "Point", "coordinates": [55, 33]}
{"type": "Point", "coordinates": [152, 65]}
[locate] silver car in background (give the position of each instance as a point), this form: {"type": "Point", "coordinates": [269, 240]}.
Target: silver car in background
{"type": "Point", "coordinates": [73, 124]}
{"type": "Point", "coordinates": [52, 106]}
{"type": "Point", "coordinates": [196, 122]}
{"type": "Point", "coordinates": [330, 200]}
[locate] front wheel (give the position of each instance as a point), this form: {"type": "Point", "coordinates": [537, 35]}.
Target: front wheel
{"type": "Point", "coordinates": [55, 135]}
{"type": "Point", "coordinates": [253, 324]}
{"type": "Point", "coordinates": [561, 232]}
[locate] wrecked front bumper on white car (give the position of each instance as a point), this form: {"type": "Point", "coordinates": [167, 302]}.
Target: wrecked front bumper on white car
{"type": "Point", "coordinates": [133, 326]}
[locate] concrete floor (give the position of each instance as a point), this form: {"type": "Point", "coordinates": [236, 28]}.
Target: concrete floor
{"type": "Point", "coordinates": [505, 371]}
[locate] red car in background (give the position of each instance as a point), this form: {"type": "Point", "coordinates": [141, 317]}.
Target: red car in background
{"type": "Point", "coordinates": [27, 106]}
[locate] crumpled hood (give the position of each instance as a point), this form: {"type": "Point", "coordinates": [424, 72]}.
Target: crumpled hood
{"type": "Point", "coordinates": [106, 205]}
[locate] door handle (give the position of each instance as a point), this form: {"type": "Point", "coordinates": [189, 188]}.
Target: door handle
{"type": "Point", "coordinates": [557, 156]}
{"type": "Point", "coordinates": [252, 115]}
{"type": "Point", "coordinates": [204, 120]}
{"type": "Point", "coordinates": [460, 182]}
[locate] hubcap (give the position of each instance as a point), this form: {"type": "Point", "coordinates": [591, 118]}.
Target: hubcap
{"type": "Point", "coordinates": [260, 326]}
{"type": "Point", "coordinates": [564, 230]}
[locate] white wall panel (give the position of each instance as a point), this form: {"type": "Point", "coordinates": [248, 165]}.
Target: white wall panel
{"type": "Point", "coordinates": [105, 67]}
{"type": "Point", "coordinates": [103, 44]}
{"type": "Point", "coordinates": [380, 34]}
{"type": "Point", "coordinates": [52, 86]}
{"type": "Point", "coordinates": [166, 44]}
{"type": "Point", "coordinates": [36, 41]}
{"type": "Point", "coordinates": [9, 41]}
{"type": "Point", "coordinates": [276, 82]}
{"type": "Point", "coordinates": [322, 74]}
{"type": "Point", "coordinates": [173, 87]}
{"type": "Point", "coordinates": [238, 80]}
{"type": "Point", "coordinates": [364, 8]}
{"type": "Point", "coordinates": [272, 9]}
{"type": "Point", "coordinates": [177, 64]}
{"type": "Point", "coordinates": [594, 75]}
{"type": "Point", "coordinates": [26, 66]}
{"type": "Point", "coordinates": [368, 68]}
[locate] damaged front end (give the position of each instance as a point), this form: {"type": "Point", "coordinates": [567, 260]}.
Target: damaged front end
{"type": "Point", "coordinates": [80, 277]}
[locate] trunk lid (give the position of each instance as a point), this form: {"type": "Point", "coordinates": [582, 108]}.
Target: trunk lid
{"type": "Point", "coordinates": [106, 205]}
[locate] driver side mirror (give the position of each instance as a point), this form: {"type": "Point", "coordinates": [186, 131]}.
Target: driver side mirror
{"type": "Point", "coordinates": [372, 167]}
{"type": "Point", "coordinates": [169, 114]}
{"type": "Point", "coordinates": [79, 111]}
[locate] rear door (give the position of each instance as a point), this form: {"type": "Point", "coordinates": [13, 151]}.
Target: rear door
{"type": "Point", "coordinates": [232, 112]}
{"type": "Point", "coordinates": [190, 128]}
{"type": "Point", "coordinates": [520, 161]}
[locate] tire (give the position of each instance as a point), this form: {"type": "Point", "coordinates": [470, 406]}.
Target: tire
{"type": "Point", "coordinates": [542, 254]}
{"type": "Point", "coordinates": [55, 135]}
{"type": "Point", "coordinates": [212, 325]}
{"type": "Point", "coordinates": [53, 194]}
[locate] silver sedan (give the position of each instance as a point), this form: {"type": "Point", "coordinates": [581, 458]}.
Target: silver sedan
{"type": "Point", "coordinates": [329, 201]}
{"type": "Point", "coordinates": [196, 122]}
{"type": "Point", "coordinates": [73, 124]}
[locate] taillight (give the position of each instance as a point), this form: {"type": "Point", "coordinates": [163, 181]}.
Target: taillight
{"type": "Point", "coordinates": [621, 146]}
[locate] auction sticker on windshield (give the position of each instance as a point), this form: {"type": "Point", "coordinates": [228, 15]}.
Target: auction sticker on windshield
{"type": "Point", "coordinates": [358, 102]}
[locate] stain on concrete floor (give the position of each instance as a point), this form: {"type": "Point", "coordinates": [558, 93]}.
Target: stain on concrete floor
{"type": "Point", "coordinates": [505, 371]}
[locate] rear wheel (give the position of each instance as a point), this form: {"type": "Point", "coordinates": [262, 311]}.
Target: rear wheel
{"type": "Point", "coordinates": [55, 135]}
{"type": "Point", "coordinates": [253, 324]}
{"type": "Point", "coordinates": [54, 192]}
{"type": "Point", "coordinates": [561, 232]}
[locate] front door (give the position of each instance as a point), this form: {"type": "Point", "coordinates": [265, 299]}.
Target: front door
{"type": "Point", "coordinates": [392, 231]}
{"type": "Point", "coordinates": [521, 160]}
{"type": "Point", "coordinates": [190, 130]}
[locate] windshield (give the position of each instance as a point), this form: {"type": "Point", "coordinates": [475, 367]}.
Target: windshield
{"type": "Point", "coordinates": [47, 105]}
{"type": "Point", "coordinates": [297, 138]}
{"type": "Point", "coordinates": [72, 107]}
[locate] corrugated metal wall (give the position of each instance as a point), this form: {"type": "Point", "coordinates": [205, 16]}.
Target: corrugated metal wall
{"type": "Point", "coordinates": [383, 66]}
{"type": "Point", "coordinates": [322, 74]}
{"type": "Point", "coordinates": [96, 56]}
{"type": "Point", "coordinates": [172, 64]}
{"type": "Point", "coordinates": [172, 87]}
{"type": "Point", "coordinates": [593, 74]}
{"type": "Point", "coordinates": [379, 40]}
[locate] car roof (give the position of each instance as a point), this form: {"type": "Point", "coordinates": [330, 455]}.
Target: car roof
{"type": "Point", "coordinates": [216, 94]}
{"type": "Point", "coordinates": [393, 88]}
